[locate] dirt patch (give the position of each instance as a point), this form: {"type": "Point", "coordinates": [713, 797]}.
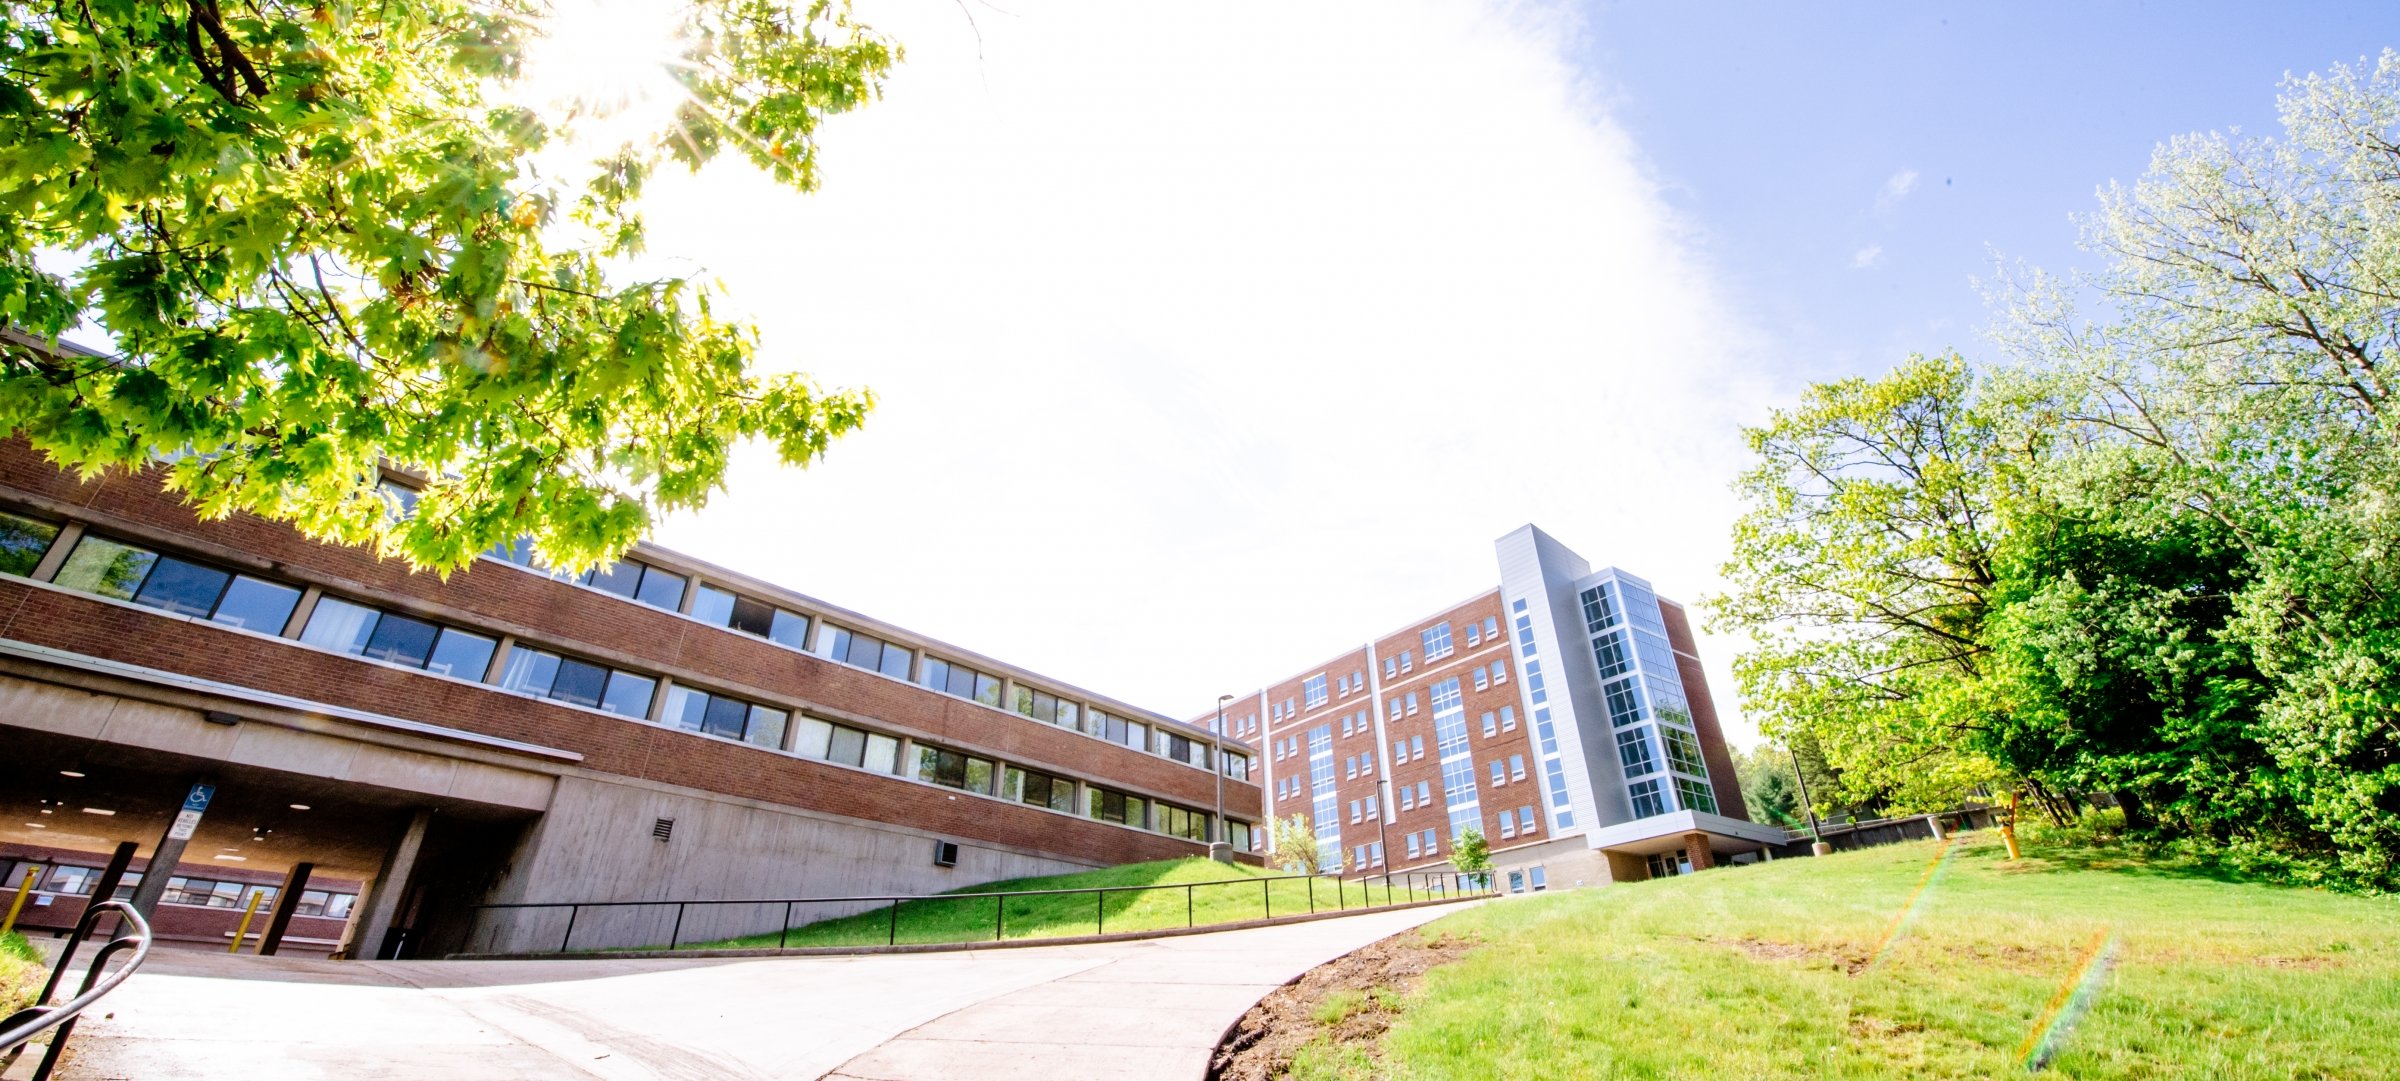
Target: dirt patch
{"type": "Point", "coordinates": [2315, 963]}
{"type": "Point", "coordinates": [1764, 950]}
{"type": "Point", "coordinates": [1350, 1000]}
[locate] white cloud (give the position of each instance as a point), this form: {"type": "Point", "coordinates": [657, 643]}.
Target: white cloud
{"type": "Point", "coordinates": [1212, 341]}
{"type": "Point", "coordinates": [1866, 257]}
{"type": "Point", "coordinates": [1895, 189]}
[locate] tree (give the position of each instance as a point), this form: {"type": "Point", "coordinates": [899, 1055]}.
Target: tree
{"type": "Point", "coordinates": [1472, 855]}
{"type": "Point", "coordinates": [1294, 845]}
{"type": "Point", "coordinates": [1769, 790]}
{"type": "Point", "coordinates": [322, 239]}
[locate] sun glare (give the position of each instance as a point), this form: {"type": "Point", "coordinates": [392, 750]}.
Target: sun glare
{"type": "Point", "coordinates": [604, 69]}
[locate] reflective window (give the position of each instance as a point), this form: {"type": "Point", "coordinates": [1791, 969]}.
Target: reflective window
{"type": "Point", "coordinates": [1649, 798]}
{"type": "Point", "coordinates": [638, 581]}
{"type": "Point", "coordinates": [696, 710]}
{"type": "Point", "coordinates": [956, 679]}
{"type": "Point", "coordinates": [1633, 750]}
{"type": "Point", "coordinates": [1182, 822]}
{"type": "Point", "coordinates": [1109, 805]}
{"type": "Point", "coordinates": [1047, 708]}
{"type": "Point", "coordinates": [849, 746]}
{"type": "Point", "coordinates": [1695, 795]}
{"type": "Point", "coordinates": [1038, 789]}
{"type": "Point", "coordinates": [548, 675]}
{"type": "Point", "coordinates": [952, 769]}
{"type": "Point", "coordinates": [1312, 690]}
{"type": "Point", "coordinates": [1436, 640]}
{"type": "Point", "coordinates": [127, 572]}
{"type": "Point", "coordinates": [23, 541]}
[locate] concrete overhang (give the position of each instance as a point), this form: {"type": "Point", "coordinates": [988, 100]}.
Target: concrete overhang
{"type": "Point", "coordinates": [1663, 833]}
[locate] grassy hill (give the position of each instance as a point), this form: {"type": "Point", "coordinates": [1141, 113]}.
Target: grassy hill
{"type": "Point", "coordinates": [1218, 894]}
{"type": "Point", "coordinates": [1905, 961]}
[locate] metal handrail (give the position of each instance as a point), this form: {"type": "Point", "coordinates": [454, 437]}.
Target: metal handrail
{"type": "Point", "coordinates": [133, 933]}
{"type": "Point", "coordinates": [1415, 882]}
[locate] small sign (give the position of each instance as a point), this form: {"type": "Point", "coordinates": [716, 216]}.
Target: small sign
{"type": "Point", "coordinates": [187, 822]}
{"type": "Point", "coordinates": [197, 799]}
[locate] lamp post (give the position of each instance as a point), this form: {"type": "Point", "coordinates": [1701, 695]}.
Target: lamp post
{"type": "Point", "coordinates": [1219, 849]}
{"type": "Point", "coordinates": [1816, 832]}
{"type": "Point", "coordinates": [1383, 852]}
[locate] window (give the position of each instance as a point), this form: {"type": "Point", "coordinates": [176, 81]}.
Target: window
{"type": "Point", "coordinates": [724, 608]}
{"type": "Point", "coordinates": [375, 634]}
{"type": "Point", "coordinates": [66, 879]}
{"type": "Point", "coordinates": [1350, 767]}
{"type": "Point", "coordinates": [1366, 763]}
{"type": "Point", "coordinates": [1683, 752]}
{"type": "Point", "coordinates": [1404, 660]}
{"type": "Point", "coordinates": [958, 680]}
{"type": "Point", "coordinates": [696, 710]}
{"type": "Point", "coordinates": [1694, 795]}
{"type": "Point", "coordinates": [1516, 767]}
{"type": "Point", "coordinates": [862, 650]}
{"type": "Point", "coordinates": [1633, 751]}
{"type": "Point", "coordinates": [1313, 690]}
{"type": "Point", "coordinates": [1499, 772]}
{"type": "Point", "coordinates": [1239, 834]}
{"type": "Point", "coordinates": [1525, 819]}
{"type": "Point", "coordinates": [1038, 789]}
{"type": "Point", "coordinates": [1491, 724]}
{"type": "Point", "coordinates": [544, 674]}
{"type": "Point", "coordinates": [108, 568]}
{"type": "Point", "coordinates": [1608, 651]}
{"type": "Point", "coordinates": [1354, 815]}
{"type": "Point", "coordinates": [1118, 730]}
{"type": "Point", "coordinates": [1508, 718]}
{"type": "Point", "coordinates": [1347, 725]}
{"type": "Point", "coordinates": [1508, 827]}
{"type": "Point", "coordinates": [1482, 681]}
{"type": "Point", "coordinates": [1499, 672]}
{"type": "Point", "coordinates": [1412, 846]}
{"type": "Point", "coordinates": [951, 769]}
{"type": "Point", "coordinates": [1408, 797]}
{"type": "Point", "coordinates": [23, 542]}
{"type": "Point", "coordinates": [1436, 640]}
{"type": "Point", "coordinates": [1491, 626]}
{"type": "Point", "coordinates": [1047, 708]}
{"type": "Point", "coordinates": [1412, 703]}
{"type": "Point", "coordinates": [1109, 805]}
{"type": "Point", "coordinates": [1237, 765]}
{"type": "Point", "coordinates": [1474, 635]}
{"type": "Point", "coordinates": [1624, 702]}
{"type": "Point", "coordinates": [332, 906]}
{"type": "Point", "coordinates": [1395, 710]}
{"type": "Point", "coordinates": [638, 581]}
{"type": "Point", "coordinates": [211, 893]}
{"type": "Point", "coordinates": [1183, 749]}
{"type": "Point", "coordinates": [1647, 798]}
{"type": "Point", "coordinates": [846, 745]}
{"type": "Point", "coordinates": [1416, 746]}
{"type": "Point", "coordinates": [1182, 822]}
{"type": "Point", "coordinates": [1424, 793]}
{"type": "Point", "coordinates": [1432, 846]}
{"type": "Point", "coordinates": [1374, 809]}
{"type": "Point", "coordinates": [1391, 667]}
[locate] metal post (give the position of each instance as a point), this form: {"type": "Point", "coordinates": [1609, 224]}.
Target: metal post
{"type": "Point", "coordinates": [677, 933]}
{"type": "Point", "coordinates": [572, 912]}
{"type": "Point", "coordinates": [1337, 894]}
{"type": "Point", "coordinates": [1816, 833]}
{"type": "Point", "coordinates": [895, 939]}
{"type": "Point", "coordinates": [287, 905]}
{"type": "Point", "coordinates": [1312, 895]}
{"type": "Point", "coordinates": [999, 915]}
{"type": "Point", "coordinates": [1216, 765]}
{"type": "Point", "coordinates": [1190, 919]}
{"type": "Point", "coordinates": [242, 929]}
{"type": "Point", "coordinates": [24, 890]}
{"type": "Point", "coordinates": [1100, 912]}
{"type": "Point", "coordinates": [1266, 897]}
{"type": "Point", "coordinates": [783, 938]}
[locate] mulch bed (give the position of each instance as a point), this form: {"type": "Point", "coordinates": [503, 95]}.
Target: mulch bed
{"type": "Point", "coordinates": [1261, 1046]}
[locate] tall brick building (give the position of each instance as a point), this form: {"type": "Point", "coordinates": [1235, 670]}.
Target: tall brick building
{"type": "Point", "coordinates": [1564, 714]}
{"type": "Point", "coordinates": [663, 728]}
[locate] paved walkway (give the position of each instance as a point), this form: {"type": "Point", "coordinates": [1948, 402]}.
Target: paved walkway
{"type": "Point", "coordinates": [1147, 1009]}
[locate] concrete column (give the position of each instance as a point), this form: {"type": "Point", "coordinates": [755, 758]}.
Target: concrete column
{"type": "Point", "coordinates": [304, 608]}
{"type": "Point", "coordinates": [287, 902]}
{"type": "Point", "coordinates": [1695, 848]}
{"type": "Point", "coordinates": [391, 882]}
{"type": "Point", "coordinates": [1934, 822]}
{"type": "Point", "coordinates": [60, 547]}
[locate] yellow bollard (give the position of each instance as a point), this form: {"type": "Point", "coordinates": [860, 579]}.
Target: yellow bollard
{"type": "Point", "coordinates": [2008, 829]}
{"type": "Point", "coordinates": [24, 890]}
{"type": "Point", "coordinates": [244, 928]}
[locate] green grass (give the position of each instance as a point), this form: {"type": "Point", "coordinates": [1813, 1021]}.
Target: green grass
{"type": "Point", "coordinates": [1763, 971]}
{"type": "Point", "coordinates": [21, 973]}
{"type": "Point", "coordinates": [1219, 894]}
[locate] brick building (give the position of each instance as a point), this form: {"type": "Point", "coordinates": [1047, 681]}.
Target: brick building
{"type": "Point", "coordinates": [661, 729]}
{"type": "Point", "coordinates": [1564, 714]}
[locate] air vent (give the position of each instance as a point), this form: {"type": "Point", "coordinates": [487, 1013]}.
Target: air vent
{"type": "Point", "coordinates": [663, 829]}
{"type": "Point", "coordinates": [945, 853]}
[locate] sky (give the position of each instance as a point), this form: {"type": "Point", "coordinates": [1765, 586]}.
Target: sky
{"type": "Point", "coordinates": [1212, 340]}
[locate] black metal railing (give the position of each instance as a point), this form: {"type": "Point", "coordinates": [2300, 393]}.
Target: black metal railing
{"type": "Point", "coordinates": [938, 918]}
{"type": "Point", "coordinates": [133, 933]}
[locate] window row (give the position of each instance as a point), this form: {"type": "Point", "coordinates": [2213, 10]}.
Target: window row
{"type": "Point", "coordinates": [1491, 675]}
{"type": "Point", "coordinates": [1504, 721]}
{"type": "Point", "coordinates": [1312, 690]}
{"type": "Point", "coordinates": [1515, 770]}
{"type": "Point", "coordinates": [1397, 707]}
{"type": "Point", "coordinates": [1423, 845]}
{"type": "Point", "coordinates": [1477, 634]}
{"type": "Point", "coordinates": [1417, 795]}
{"type": "Point", "coordinates": [1350, 684]}
{"type": "Point", "coordinates": [1394, 665]}
{"type": "Point", "coordinates": [1367, 809]}
{"type": "Point", "coordinates": [1367, 855]}
{"type": "Point", "coordinates": [1359, 765]}
{"type": "Point", "coordinates": [1519, 824]}
{"type": "Point", "coordinates": [1436, 640]}
{"type": "Point", "coordinates": [1408, 750]}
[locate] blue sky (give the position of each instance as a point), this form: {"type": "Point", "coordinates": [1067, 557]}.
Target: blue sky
{"type": "Point", "coordinates": [1213, 340]}
{"type": "Point", "coordinates": [1774, 128]}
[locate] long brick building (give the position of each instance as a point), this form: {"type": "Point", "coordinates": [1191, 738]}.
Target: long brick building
{"type": "Point", "coordinates": [662, 728]}
{"type": "Point", "coordinates": [1564, 715]}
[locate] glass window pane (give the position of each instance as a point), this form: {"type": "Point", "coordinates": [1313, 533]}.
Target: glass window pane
{"type": "Point", "coordinates": [256, 604]}
{"type": "Point", "coordinates": [883, 754]}
{"type": "Point", "coordinates": [726, 716]}
{"type": "Point", "coordinates": [182, 587]}
{"type": "Point", "coordinates": [580, 682]}
{"type": "Point", "coordinates": [102, 566]}
{"type": "Point", "coordinates": [987, 689]}
{"type": "Point", "coordinates": [623, 579]}
{"type": "Point", "coordinates": [1012, 784]}
{"type": "Point", "coordinates": [864, 652]}
{"type": "Point", "coordinates": [22, 542]}
{"type": "Point", "coordinates": [402, 640]}
{"type": "Point", "coordinates": [752, 617]}
{"type": "Point", "coordinates": [529, 670]}
{"type": "Point", "coordinates": [465, 656]}
{"type": "Point", "coordinates": [766, 727]}
{"type": "Point", "coordinates": [712, 605]}
{"type": "Point", "coordinates": [934, 674]}
{"type": "Point", "coordinates": [685, 708]}
{"type": "Point", "coordinates": [339, 907]}
{"type": "Point", "coordinates": [979, 775]}
{"type": "Point", "coordinates": [789, 629]}
{"type": "Point", "coordinates": [338, 624]}
{"type": "Point", "coordinates": [660, 589]}
{"type": "Point", "coordinates": [629, 695]}
{"type": "Point", "coordinates": [895, 661]}
{"type": "Point", "coordinates": [849, 746]}
{"type": "Point", "coordinates": [811, 736]}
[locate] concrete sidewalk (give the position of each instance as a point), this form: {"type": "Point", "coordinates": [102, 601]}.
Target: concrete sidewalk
{"type": "Point", "coordinates": [1142, 1009]}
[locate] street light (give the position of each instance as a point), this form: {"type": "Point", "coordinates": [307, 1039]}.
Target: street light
{"type": "Point", "coordinates": [1216, 738]}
